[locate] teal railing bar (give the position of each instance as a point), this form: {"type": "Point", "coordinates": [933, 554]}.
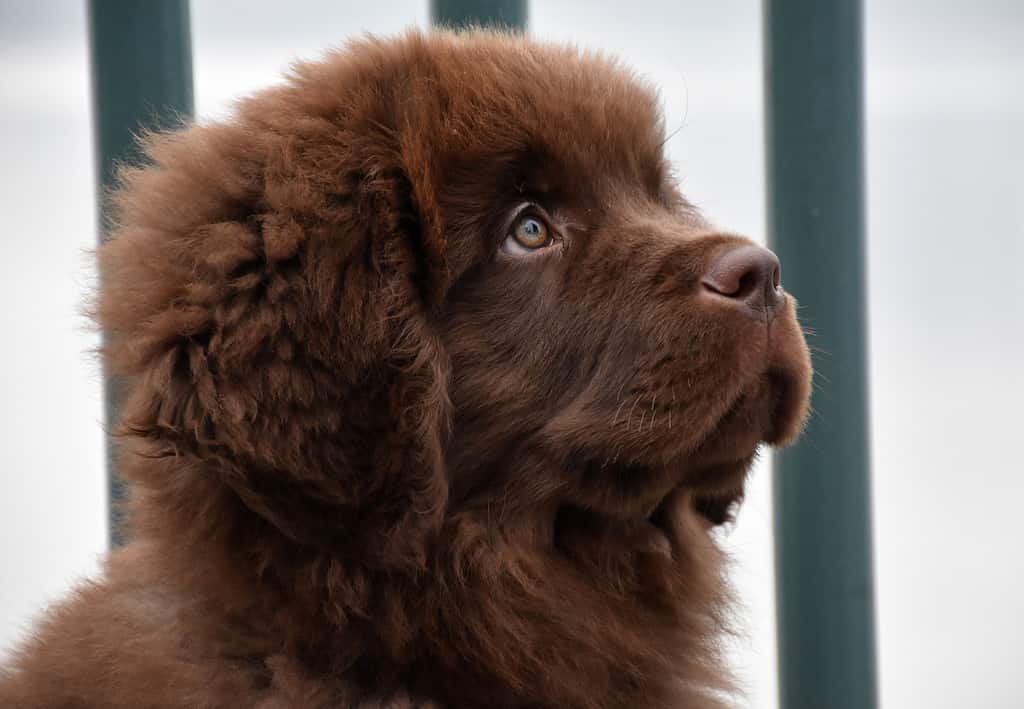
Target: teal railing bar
{"type": "Point", "coordinates": [511, 14]}
{"type": "Point", "coordinates": [141, 57]}
{"type": "Point", "coordinates": [815, 173]}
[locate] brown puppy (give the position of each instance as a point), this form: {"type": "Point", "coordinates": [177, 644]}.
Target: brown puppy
{"type": "Point", "coordinates": [436, 385]}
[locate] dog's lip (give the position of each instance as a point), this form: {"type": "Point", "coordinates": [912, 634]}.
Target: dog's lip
{"type": "Point", "coordinates": [704, 496]}
{"type": "Point", "coordinates": [645, 535]}
{"type": "Point", "coordinates": [685, 505]}
{"type": "Point", "coordinates": [660, 520]}
{"type": "Point", "coordinates": [659, 537]}
{"type": "Point", "coordinates": [712, 492]}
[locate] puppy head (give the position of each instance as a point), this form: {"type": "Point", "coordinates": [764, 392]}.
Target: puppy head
{"type": "Point", "coordinates": [427, 342]}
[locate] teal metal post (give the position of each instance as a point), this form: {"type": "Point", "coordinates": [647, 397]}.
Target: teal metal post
{"type": "Point", "coordinates": [815, 163]}
{"type": "Point", "coordinates": [141, 56]}
{"type": "Point", "coordinates": [510, 14]}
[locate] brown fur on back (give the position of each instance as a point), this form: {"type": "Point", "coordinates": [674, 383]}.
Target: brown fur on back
{"type": "Point", "coordinates": [374, 460]}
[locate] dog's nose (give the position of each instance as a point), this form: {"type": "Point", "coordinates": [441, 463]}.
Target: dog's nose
{"type": "Point", "coordinates": [749, 276]}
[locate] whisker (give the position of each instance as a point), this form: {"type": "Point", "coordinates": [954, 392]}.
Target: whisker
{"type": "Point", "coordinates": [616, 419]}
{"type": "Point", "coordinates": [629, 419]}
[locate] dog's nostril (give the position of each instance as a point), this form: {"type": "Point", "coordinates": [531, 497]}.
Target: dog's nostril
{"type": "Point", "coordinates": [748, 275]}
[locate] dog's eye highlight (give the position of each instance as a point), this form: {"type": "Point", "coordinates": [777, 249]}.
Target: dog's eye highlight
{"type": "Point", "coordinates": [529, 233]}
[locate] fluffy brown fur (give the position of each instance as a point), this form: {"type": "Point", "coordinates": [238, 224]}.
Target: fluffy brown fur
{"type": "Point", "coordinates": [377, 459]}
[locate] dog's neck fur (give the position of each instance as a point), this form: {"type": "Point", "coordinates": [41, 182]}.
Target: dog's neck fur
{"type": "Point", "coordinates": [491, 620]}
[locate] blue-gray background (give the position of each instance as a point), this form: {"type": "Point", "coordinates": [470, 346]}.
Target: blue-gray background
{"type": "Point", "coordinates": [945, 157]}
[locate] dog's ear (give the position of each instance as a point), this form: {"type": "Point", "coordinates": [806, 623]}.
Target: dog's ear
{"type": "Point", "coordinates": [264, 299]}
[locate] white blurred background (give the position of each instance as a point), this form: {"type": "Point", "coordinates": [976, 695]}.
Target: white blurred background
{"type": "Point", "coordinates": [945, 159]}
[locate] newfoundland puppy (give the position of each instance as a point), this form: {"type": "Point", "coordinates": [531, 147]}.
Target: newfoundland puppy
{"type": "Point", "coordinates": [436, 386]}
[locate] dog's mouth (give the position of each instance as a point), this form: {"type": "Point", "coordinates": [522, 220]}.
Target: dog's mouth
{"type": "Point", "coordinates": [707, 499]}
{"type": "Point", "coordinates": [663, 533]}
{"type": "Point", "coordinates": [582, 532]}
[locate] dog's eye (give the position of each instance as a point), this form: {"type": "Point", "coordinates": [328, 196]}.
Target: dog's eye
{"type": "Point", "coordinates": [529, 233]}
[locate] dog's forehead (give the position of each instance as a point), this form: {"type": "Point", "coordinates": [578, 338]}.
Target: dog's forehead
{"type": "Point", "coordinates": [500, 95]}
